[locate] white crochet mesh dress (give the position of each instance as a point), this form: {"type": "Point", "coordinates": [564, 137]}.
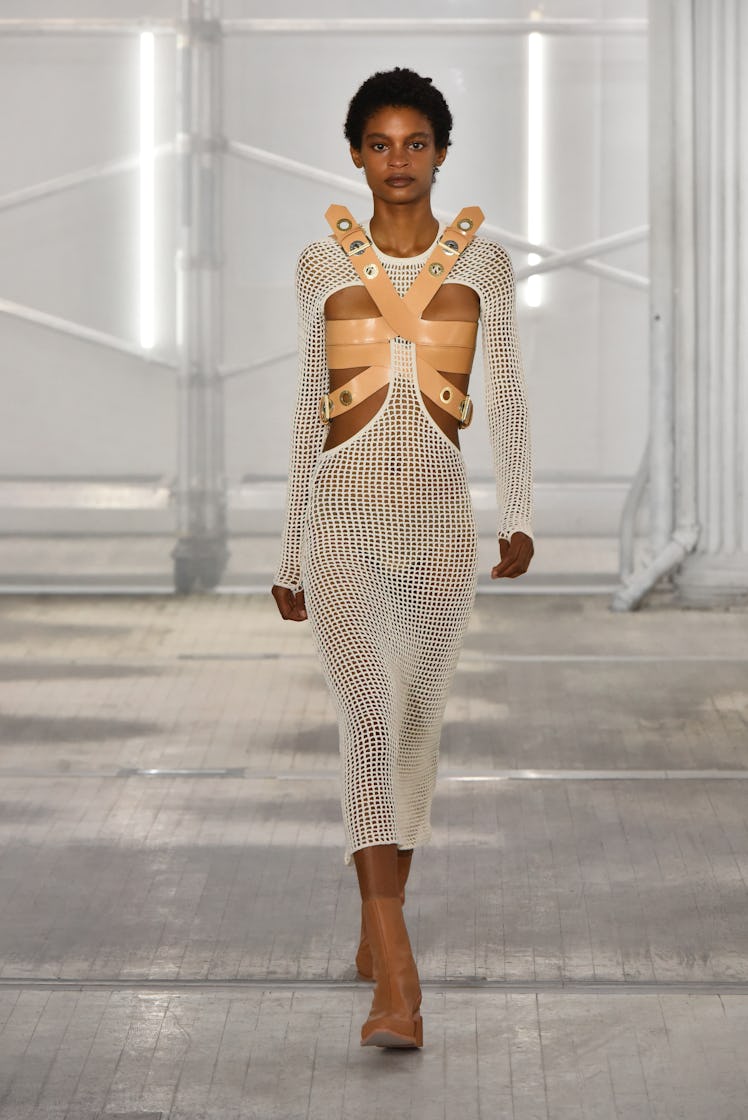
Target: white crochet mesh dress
{"type": "Point", "coordinates": [380, 534]}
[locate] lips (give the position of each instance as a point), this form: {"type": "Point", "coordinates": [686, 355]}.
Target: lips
{"type": "Point", "coordinates": [399, 180]}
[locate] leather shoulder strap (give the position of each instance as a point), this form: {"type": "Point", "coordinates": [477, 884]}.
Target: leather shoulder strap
{"type": "Point", "coordinates": [455, 239]}
{"type": "Point", "coordinates": [357, 246]}
{"type": "Point", "coordinates": [403, 313]}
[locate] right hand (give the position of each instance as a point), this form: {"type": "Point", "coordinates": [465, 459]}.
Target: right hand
{"type": "Point", "coordinates": [290, 604]}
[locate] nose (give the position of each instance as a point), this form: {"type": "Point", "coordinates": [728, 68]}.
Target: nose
{"type": "Point", "coordinates": [398, 158]}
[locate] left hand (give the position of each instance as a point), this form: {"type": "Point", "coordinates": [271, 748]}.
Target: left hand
{"type": "Point", "coordinates": [516, 555]}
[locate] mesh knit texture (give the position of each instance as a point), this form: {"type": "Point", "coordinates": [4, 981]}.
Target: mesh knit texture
{"type": "Point", "coordinates": [380, 534]}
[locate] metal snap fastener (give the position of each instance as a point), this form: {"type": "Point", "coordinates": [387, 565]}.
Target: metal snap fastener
{"type": "Point", "coordinates": [371, 271]}
{"type": "Point", "coordinates": [450, 245]}
{"type": "Point", "coordinates": [344, 223]}
{"type": "Point", "coordinates": [346, 397]}
{"type": "Point", "coordinates": [356, 248]}
{"type": "Point", "coordinates": [436, 269]}
{"type": "Point", "coordinates": [466, 223]}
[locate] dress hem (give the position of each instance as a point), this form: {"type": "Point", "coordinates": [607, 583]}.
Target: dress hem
{"type": "Point", "coordinates": [417, 843]}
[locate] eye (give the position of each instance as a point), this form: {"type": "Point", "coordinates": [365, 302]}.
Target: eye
{"type": "Point", "coordinates": [420, 143]}
{"type": "Point", "coordinates": [378, 144]}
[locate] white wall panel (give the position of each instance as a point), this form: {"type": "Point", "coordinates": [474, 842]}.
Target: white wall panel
{"type": "Point", "coordinates": [73, 408]}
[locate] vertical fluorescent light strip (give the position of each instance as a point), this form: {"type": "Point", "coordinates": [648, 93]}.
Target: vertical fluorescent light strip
{"type": "Point", "coordinates": [535, 93]}
{"type": "Point", "coordinates": [147, 220]}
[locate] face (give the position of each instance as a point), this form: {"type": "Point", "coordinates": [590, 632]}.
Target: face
{"type": "Point", "coordinates": [398, 154]}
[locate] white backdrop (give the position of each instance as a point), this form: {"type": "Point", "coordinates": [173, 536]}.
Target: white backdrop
{"type": "Point", "coordinates": [72, 409]}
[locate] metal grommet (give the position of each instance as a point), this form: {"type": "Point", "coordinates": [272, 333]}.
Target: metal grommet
{"type": "Point", "coordinates": [451, 248]}
{"type": "Point", "coordinates": [371, 271]}
{"type": "Point", "coordinates": [344, 223]}
{"type": "Point", "coordinates": [436, 269]}
{"type": "Point", "coordinates": [346, 397]}
{"type": "Point", "coordinates": [466, 223]}
{"type": "Point", "coordinates": [356, 247]}
{"type": "Point", "coordinates": [445, 395]}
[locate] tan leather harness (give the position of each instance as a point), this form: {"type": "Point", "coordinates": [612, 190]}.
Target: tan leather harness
{"type": "Point", "coordinates": [448, 344]}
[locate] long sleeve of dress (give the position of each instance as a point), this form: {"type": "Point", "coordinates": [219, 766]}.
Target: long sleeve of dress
{"type": "Point", "coordinates": [307, 431]}
{"type": "Point", "coordinates": [506, 398]}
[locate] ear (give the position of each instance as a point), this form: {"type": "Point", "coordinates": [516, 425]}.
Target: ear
{"type": "Point", "coordinates": [356, 156]}
{"type": "Point", "coordinates": [440, 156]}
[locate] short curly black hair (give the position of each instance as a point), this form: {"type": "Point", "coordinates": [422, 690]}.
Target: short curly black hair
{"type": "Point", "coordinates": [402, 88]}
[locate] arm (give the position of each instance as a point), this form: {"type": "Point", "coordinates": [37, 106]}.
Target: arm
{"type": "Point", "coordinates": [507, 414]}
{"type": "Point", "coordinates": [307, 432]}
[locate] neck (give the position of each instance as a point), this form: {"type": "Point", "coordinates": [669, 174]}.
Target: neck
{"type": "Point", "coordinates": [405, 229]}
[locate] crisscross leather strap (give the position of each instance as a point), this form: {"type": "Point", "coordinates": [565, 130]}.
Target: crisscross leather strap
{"type": "Point", "coordinates": [448, 344]}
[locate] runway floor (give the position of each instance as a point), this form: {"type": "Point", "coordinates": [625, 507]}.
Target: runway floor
{"type": "Point", "coordinates": [178, 926]}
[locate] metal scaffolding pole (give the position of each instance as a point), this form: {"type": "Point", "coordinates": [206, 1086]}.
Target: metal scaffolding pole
{"type": "Point", "coordinates": [201, 552]}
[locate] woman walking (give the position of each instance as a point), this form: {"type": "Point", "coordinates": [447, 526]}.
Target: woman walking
{"type": "Point", "coordinates": [379, 545]}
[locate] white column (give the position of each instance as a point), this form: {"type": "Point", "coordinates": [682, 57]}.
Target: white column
{"type": "Point", "coordinates": [716, 572]}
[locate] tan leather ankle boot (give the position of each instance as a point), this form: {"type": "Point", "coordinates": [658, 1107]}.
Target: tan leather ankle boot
{"type": "Point", "coordinates": [364, 963]}
{"type": "Point", "coordinates": [395, 1016]}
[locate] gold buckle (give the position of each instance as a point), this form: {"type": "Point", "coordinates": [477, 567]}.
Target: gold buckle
{"type": "Point", "coordinates": [466, 413]}
{"type": "Point", "coordinates": [325, 408]}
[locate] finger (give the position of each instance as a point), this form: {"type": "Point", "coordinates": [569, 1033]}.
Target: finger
{"type": "Point", "coordinates": [505, 573]}
{"type": "Point", "coordinates": [510, 573]}
{"type": "Point", "coordinates": [505, 565]}
{"type": "Point", "coordinates": [514, 564]}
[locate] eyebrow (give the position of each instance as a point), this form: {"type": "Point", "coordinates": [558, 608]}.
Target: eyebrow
{"type": "Point", "coordinates": [386, 137]}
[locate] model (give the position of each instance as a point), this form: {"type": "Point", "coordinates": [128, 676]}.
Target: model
{"type": "Point", "coordinates": [379, 545]}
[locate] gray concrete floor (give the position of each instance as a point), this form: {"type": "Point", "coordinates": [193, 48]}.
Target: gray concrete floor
{"type": "Point", "coordinates": [178, 927]}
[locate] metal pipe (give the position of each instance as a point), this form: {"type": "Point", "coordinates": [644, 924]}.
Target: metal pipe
{"type": "Point", "coordinates": [435, 26]}
{"type": "Point", "coordinates": [86, 26]}
{"type": "Point", "coordinates": [564, 257]}
{"type": "Point", "coordinates": [85, 334]}
{"type": "Point", "coordinates": [732, 415]}
{"type": "Point", "coordinates": [628, 515]}
{"type": "Point", "coordinates": [89, 26]}
{"type": "Point", "coordinates": [260, 364]}
{"type": "Point", "coordinates": [75, 179]}
{"type": "Point", "coordinates": [661, 205]}
{"type": "Point", "coordinates": [684, 317]}
{"type": "Point", "coordinates": [200, 553]}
